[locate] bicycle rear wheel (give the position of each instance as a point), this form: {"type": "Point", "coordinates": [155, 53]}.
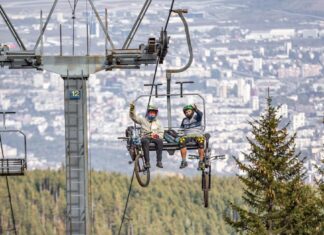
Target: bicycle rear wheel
{"type": "Point", "coordinates": [142, 174]}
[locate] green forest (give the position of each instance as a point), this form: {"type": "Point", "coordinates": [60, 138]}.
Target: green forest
{"type": "Point", "coordinates": [270, 198]}
{"type": "Point", "coordinates": [170, 205]}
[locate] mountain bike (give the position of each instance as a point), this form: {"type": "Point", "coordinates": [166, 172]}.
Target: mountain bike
{"type": "Point", "coordinates": [135, 150]}
{"type": "Point", "coordinates": [206, 170]}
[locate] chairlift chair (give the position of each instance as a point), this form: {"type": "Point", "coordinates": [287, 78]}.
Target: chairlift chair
{"type": "Point", "coordinates": [12, 166]}
{"type": "Point", "coordinates": [172, 147]}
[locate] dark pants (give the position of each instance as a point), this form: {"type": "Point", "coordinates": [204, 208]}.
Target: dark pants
{"type": "Point", "coordinates": [146, 148]}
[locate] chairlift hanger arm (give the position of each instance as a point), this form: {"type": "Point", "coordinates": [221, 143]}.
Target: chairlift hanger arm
{"type": "Point", "coordinates": [180, 12]}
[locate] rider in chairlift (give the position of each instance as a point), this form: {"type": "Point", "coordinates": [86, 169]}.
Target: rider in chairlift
{"type": "Point", "coordinates": [151, 132]}
{"type": "Point", "coordinates": [193, 132]}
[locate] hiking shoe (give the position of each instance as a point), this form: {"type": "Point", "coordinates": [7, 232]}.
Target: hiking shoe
{"type": "Point", "coordinates": [183, 164]}
{"type": "Point", "coordinates": [147, 165]}
{"type": "Point", "coordinates": [159, 165]}
{"type": "Point", "coordinates": [201, 165]}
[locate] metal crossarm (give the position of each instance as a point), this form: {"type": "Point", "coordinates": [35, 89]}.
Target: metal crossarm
{"type": "Point", "coordinates": [137, 24]}
{"type": "Point", "coordinates": [12, 29]}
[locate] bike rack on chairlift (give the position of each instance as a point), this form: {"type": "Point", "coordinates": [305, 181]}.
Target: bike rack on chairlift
{"type": "Point", "coordinates": [12, 166]}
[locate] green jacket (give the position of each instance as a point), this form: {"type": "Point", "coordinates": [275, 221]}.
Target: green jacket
{"type": "Point", "coordinates": [147, 127]}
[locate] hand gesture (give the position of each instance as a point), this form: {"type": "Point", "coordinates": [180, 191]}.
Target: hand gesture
{"type": "Point", "coordinates": [132, 106]}
{"type": "Point", "coordinates": [195, 107]}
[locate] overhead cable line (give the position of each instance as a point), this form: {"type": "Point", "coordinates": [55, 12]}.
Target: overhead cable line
{"type": "Point", "coordinates": [153, 82]}
{"type": "Point", "coordinates": [157, 61]}
{"type": "Point", "coordinates": [170, 11]}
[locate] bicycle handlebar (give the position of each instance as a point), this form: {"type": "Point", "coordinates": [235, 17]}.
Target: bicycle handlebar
{"type": "Point", "coordinates": [220, 157]}
{"type": "Point", "coordinates": [193, 156]}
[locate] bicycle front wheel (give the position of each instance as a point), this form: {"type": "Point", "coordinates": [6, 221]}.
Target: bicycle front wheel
{"type": "Point", "coordinates": [142, 174]}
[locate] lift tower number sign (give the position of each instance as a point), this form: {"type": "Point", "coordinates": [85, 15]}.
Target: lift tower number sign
{"type": "Point", "coordinates": [75, 94]}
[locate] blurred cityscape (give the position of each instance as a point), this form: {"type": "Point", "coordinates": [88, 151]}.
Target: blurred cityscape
{"type": "Point", "coordinates": [240, 50]}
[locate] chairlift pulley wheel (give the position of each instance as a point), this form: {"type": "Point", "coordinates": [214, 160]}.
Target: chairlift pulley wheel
{"type": "Point", "coordinates": [163, 47]}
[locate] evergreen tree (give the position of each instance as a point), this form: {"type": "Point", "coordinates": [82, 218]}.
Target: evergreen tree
{"type": "Point", "coordinates": [276, 199]}
{"type": "Point", "coordinates": [320, 184]}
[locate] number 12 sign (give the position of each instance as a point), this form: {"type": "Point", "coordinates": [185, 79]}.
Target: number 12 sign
{"type": "Point", "coordinates": [75, 94]}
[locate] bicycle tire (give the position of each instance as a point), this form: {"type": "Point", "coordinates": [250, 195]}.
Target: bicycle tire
{"type": "Point", "coordinates": [205, 187]}
{"type": "Point", "coordinates": [209, 177]}
{"type": "Point", "coordinates": [142, 174]}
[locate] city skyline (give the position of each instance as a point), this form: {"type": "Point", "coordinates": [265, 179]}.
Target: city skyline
{"type": "Point", "coordinates": [235, 62]}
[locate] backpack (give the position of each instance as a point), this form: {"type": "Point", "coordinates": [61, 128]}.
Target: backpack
{"type": "Point", "coordinates": [171, 136]}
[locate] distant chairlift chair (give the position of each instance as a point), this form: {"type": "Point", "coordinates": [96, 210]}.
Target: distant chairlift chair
{"type": "Point", "coordinates": [12, 166]}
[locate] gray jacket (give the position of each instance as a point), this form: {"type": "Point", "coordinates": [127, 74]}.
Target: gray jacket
{"type": "Point", "coordinates": [147, 127]}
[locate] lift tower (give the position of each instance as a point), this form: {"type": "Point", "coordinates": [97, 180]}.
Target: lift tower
{"type": "Point", "coordinates": [75, 71]}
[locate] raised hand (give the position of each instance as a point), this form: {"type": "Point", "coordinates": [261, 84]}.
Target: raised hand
{"type": "Point", "coordinates": [132, 106]}
{"type": "Point", "coordinates": [195, 107]}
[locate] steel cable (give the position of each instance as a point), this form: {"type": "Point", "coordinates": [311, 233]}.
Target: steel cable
{"type": "Point", "coordinates": [149, 101]}
{"type": "Point", "coordinates": [126, 205]}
